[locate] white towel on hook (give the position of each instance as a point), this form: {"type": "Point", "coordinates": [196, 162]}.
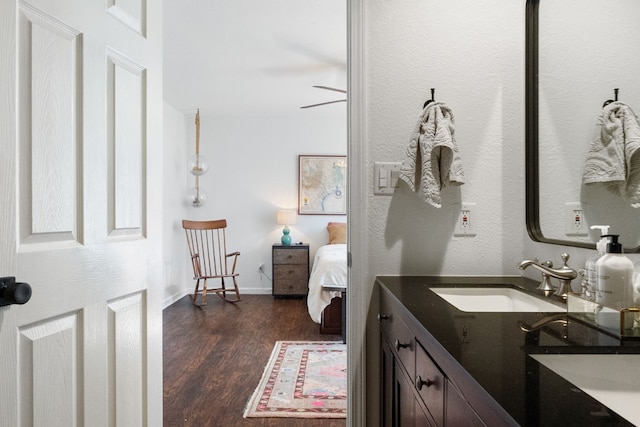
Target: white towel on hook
{"type": "Point", "coordinates": [614, 158]}
{"type": "Point", "coordinates": [432, 160]}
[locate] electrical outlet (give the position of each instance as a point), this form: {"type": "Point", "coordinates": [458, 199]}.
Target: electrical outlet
{"type": "Point", "coordinates": [465, 220]}
{"type": "Point", "coordinates": [575, 224]}
{"type": "Point", "coordinates": [465, 334]}
{"type": "Point", "coordinates": [261, 268]}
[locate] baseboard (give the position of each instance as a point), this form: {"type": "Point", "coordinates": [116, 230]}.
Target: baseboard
{"type": "Point", "coordinates": [243, 291]}
{"type": "Point", "coordinates": [255, 291]}
{"type": "Point", "coordinates": [173, 298]}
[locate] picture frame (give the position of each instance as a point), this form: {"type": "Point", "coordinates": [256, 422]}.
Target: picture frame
{"type": "Point", "coordinates": [322, 185]}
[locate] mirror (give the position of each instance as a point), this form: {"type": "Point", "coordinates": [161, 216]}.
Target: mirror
{"type": "Point", "coordinates": [577, 53]}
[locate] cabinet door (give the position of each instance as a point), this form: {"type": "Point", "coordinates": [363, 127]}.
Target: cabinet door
{"type": "Point", "coordinates": [459, 413]}
{"type": "Point", "coordinates": [409, 411]}
{"type": "Point", "coordinates": [423, 420]}
{"type": "Point", "coordinates": [405, 401]}
{"type": "Point", "coordinates": [386, 376]}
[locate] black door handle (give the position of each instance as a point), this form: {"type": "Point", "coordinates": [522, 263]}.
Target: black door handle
{"type": "Point", "coordinates": [12, 292]}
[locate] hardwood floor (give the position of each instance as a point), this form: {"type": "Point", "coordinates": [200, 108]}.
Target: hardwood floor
{"type": "Point", "coordinates": [214, 357]}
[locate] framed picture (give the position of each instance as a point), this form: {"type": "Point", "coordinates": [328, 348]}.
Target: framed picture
{"type": "Point", "coordinates": [322, 185]}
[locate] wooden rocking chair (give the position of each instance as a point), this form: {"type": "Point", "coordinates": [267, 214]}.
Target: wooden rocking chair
{"type": "Point", "coordinates": [208, 250]}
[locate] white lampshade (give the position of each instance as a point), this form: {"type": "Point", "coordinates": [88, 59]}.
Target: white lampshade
{"type": "Point", "coordinates": [286, 217]}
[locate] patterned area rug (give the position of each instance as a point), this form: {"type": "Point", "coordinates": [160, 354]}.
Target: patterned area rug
{"type": "Point", "coordinates": [303, 379]}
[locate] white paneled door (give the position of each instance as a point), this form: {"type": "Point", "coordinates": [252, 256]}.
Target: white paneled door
{"type": "Point", "coordinates": [80, 212]}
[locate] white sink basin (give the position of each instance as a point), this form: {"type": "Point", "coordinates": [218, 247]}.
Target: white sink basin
{"type": "Point", "coordinates": [504, 299]}
{"type": "Point", "coordinates": [612, 379]}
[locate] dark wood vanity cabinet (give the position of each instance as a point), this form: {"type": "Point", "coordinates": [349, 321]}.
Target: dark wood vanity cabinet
{"type": "Point", "coordinates": [400, 407]}
{"type": "Point", "coordinates": [415, 391]}
{"type": "Point", "coordinates": [441, 366]}
{"type": "Point", "coordinates": [412, 386]}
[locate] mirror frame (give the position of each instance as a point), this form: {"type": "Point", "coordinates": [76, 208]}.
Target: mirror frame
{"type": "Point", "coordinates": [532, 184]}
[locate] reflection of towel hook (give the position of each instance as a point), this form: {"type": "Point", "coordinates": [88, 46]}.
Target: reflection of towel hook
{"type": "Point", "coordinates": [615, 93]}
{"type": "Point", "coordinates": [433, 91]}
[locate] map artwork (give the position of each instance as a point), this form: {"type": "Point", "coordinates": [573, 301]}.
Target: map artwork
{"type": "Point", "coordinates": [322, 185]}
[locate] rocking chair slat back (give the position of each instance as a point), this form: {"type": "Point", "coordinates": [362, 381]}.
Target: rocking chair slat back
{"type": "Point", "coordinates": [207, 247]}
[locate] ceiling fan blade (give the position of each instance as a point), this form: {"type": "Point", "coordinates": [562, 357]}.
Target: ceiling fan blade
{"type": "Point", "coordinates": [331, 88]}
{"type": "Point", "coordinates": [324, 103]}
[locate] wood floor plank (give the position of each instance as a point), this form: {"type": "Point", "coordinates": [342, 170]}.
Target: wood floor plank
{"type": "Point", "coordinates": [214, 357]}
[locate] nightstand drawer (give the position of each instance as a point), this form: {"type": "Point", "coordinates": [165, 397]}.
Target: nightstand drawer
{"type": "Point", "coordinates": [290, 281]}
{"type": "Point", "coordinates": [290, 256]}
{"type": "Point", "coordinates": [290, 273]}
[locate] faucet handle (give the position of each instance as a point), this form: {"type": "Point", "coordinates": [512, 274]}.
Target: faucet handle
{"type": "Point", "coordinates": [545, 284]}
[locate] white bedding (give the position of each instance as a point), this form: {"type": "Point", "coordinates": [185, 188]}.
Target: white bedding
{"type": "Point", "coordinates": [329, 268]}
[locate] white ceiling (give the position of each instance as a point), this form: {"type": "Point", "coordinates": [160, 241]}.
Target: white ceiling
{"type": "Point", "coordinates": [253, 57]}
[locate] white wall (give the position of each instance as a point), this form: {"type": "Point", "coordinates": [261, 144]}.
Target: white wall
{"type": "Point", "coordinates": [253, 172]}
{"type": "Point", "coordinates": [174, 206]}
{"type": "Point", "coordinates": [472, 53]}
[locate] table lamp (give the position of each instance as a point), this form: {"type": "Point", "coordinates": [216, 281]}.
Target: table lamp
{"type": "Point", "coordinates": [286, 218]}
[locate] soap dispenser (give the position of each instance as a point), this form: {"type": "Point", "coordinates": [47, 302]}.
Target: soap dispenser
{"type": "Point", "coordinates": [615, 282]}
{"type": "Point", "coordinates": [590, 266]}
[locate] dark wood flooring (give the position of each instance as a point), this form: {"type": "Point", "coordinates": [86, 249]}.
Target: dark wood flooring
{"type": "Point", "coordinates": [214, 357]}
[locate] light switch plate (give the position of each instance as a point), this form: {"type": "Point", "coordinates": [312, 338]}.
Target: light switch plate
{"type": "Point", "coordinates": [386, 177]}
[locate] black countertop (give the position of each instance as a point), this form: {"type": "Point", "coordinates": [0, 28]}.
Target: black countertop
{"type": "Point", "coordinates": [495, 351]}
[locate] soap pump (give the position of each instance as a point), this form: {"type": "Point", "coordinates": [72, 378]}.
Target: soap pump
{"type": "Point", "coordinates": [615, 278]}
{"type": "Point", "coordinates": [590, 266]}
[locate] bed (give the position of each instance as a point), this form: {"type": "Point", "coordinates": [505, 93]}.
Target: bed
{"type": "Point", "coordinates": [328, 281]}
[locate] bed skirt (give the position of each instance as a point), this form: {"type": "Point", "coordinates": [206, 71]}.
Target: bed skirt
{"type": "Point", "coordinates": [331, 323]}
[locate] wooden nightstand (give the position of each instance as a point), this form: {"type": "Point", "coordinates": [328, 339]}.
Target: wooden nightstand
{"type": "Point", "coordinates": [290, 270]}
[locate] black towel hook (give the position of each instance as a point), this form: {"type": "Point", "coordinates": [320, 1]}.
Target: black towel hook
{"type": "Point", "coordinates": [433, 91]}
{"type": "Point", "coordinates": [615, 98]}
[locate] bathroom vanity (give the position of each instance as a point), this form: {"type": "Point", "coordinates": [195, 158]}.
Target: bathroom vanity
{"type": "Point", "coordinates": [442, 366]}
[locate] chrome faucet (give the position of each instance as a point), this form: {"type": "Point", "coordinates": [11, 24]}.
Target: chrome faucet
{"type": "Point", "coordinates": [564, 274]}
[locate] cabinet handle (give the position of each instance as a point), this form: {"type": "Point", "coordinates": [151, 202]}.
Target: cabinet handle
{"type": "Point", "coordinates": [382, 317]}
{"type": "Point", "coordinates": [420, 382]}
{"type": "Point", "coordinates": [398, 345]}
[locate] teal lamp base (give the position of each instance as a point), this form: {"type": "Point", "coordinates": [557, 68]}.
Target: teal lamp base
{"type": "Point", "coordinates": [286, 238]}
